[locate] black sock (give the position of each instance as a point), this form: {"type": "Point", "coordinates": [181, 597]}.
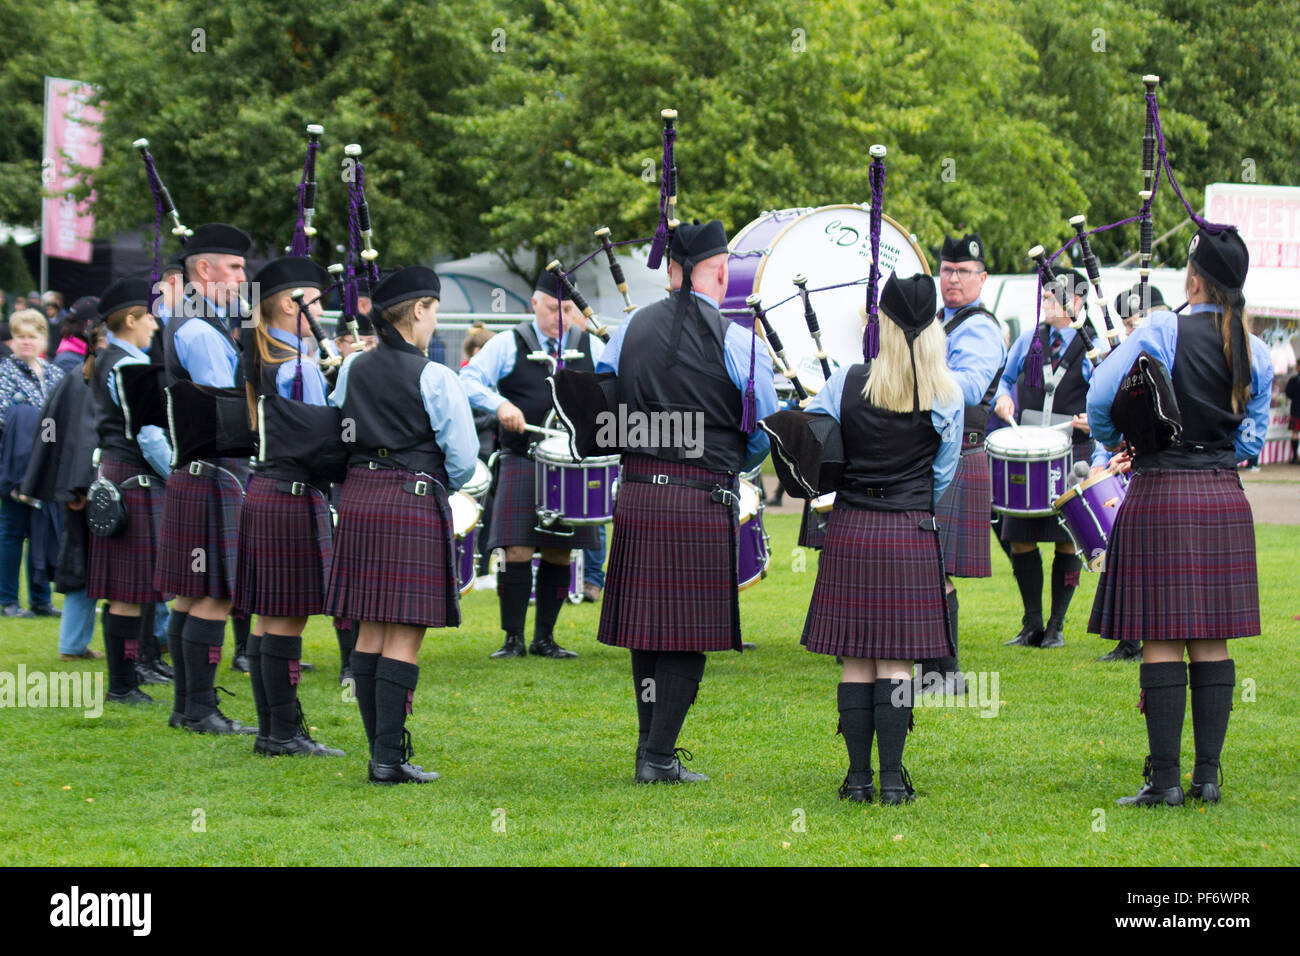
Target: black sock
{"type": "Point", "coordinates": [202, 641]}
{"type": "Point", "coordinates": [256, 679]}
{"type": "Point", "coordinates": [363, 677]}
{"type": "Point", "coordinates": [394, 689]}
{"type": "Point", "coordinates": [1028, 568]}
{"type": "Point", "coordinates": [857, 723]}
{"type": "Point", "coordinates": [346, 633]}
{"type": "Point", "coordinates": [1212, 685]}
{"type": "Point", "coordinates": [280, 656]}
{"type": "Point", "coordinates": [118, 630]}
{"type": "Point", "coordinates": [552, 590]}
{"type": "Point", "coordinates": [677, 681]}
{"type": "Point", "coordinates": [514, 585]}
{"type": "Point", "coordinates": [893, 717]}
{"type": "Point", "coordinates": [149, 648]}
{"type": "Point", "coordinates": [242, 625]}
{"type": "Point", "coordinates": [176, 647]}
{"type": "Point", "coordinates": [643, 685]}
{"type": "Point", "coordinates": [1164, 691]}
{"type": "Point", "coordinates": [1065, 578]}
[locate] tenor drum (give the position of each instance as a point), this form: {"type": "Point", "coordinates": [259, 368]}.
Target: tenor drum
{"type": "Point", "coordinates": [830, 245]}
{"type": "Point", "coordinates": [1030, 466]}
{"type": "Point", "coordinates": [753, 555]}
{"type": "Point", "coordinates": [571, 491]}
{"type": "Point", "coordinates": [465, 514]}
{"type": "Point", "coordinates": [576, 575]}
{"type": "Point", "coordinates": [1087, 512]}
{"type": "Point", "coordinates": [477, 487]}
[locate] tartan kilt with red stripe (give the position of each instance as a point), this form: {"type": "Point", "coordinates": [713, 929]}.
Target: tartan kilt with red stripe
{"type": "Point", "coordinates": [394, 556]}
{"type": "Point", "coordinates": [963, 514]}
{"type": "Point", "coordinates": [671, 580]}
{"type": "Point", "coordinates": [812, 528]}
{"type": "Point", "coordinates": [880, 588]}
{"type": "Point", "coordinates": [1180, 563]}
{"type": "Point", "coordinates": [121, 568]}
{"type": "Point", "coordinates": [285, 548]}
{"type": "Point", "coordinates": [514, 511]}
{"type": "Point", "coordinates": [200, 518]}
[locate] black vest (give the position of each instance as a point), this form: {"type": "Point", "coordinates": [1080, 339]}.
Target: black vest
{"type": "Point", "coordinates": [1071, 391]}
{"type": "Point", "coordinates": [110, 420]}
{"type": "Point", "coordinates": [175, 370]}
{"type": "Point", "coordinates": [384, 405]}
{"type": "Point", "coordinates": [284, 468]}
{"type": "Point", "coordinates": [526, 385]}
{"type": "Point", "coordinates": [695, 384]}
{"type": "Point", "coordinates": [976, 419]}
{"type": "Point", "coordinates": [1203, 386]}
{"type": "Point", "coordinates": [889, 456]}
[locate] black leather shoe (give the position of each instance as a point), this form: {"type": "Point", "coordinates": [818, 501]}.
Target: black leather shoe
{"type": "Point", "coordinates": [1029, 636]}
{"type": "Point", "coordinates": [306, 666]}
{"type": "Point", "coordinates": [133, 696]}
{"type": "Point", "coordinates": [857, 787]}
{"type": "Point", "coordinates": [896, 788]}
{"type": "Point", "coordinates": [513, 646]}
{"type": "Point", "coordinates": [1150, 796]}
{"type": "Point", "coordinates": [1053, 637]}
{"type": "Point", "coordinates": [259, 745]}
{"type": "Point", "coordinates": [1124, 651]}
{"type": "Point", "coordinates": [401, 773]}
{"type": "Point", "coordinates": [1204, 792]}
{"type": "Point", "coordinates": [546, 647]}
{"type": "Point", "coordinates": [217, 723]}
{"type": "Point", "coordinates": [47, 610]}
{"type": "Point", "coordinates": [147, 675]}
{"type": "Point", "coordinates": [177, 720]}
{"type": "Point", "coordinates": [16, 610]}
{"type": "Point", "coordinates": [240, 663]}
{"type": "Point", "coordinates": [748, 646]}
{"type": "Point", "coordinates": [163, 668]}
{"type": "Point", "coordinates": [648, 771]}
{"type": "Point", "coordinates": [301, 745]}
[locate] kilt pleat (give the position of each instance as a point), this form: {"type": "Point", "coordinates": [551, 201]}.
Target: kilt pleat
{"type": "Point", "coordinates": [880, 588]}
{"type": "Point", "coordinates": [812, 528]}
{"type": "Point", "coordinates": [198, 539]}
{"type": "Point", "coordinates": [963, 515]}
{"type": "Point", "coordinates": [285, 548]}
{"type": "Point", "coordinates": [394, 555]}
{"type": "Point", "coordinates": [1180, 563]}
{"type": "Point", "coordinates": [514, 511]}
{"type": "Point", "coordinates": [671, 580]}
{"type": "Point", "coordinates": [121, 568]}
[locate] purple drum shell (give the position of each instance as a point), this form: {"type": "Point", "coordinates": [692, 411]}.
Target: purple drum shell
{"type": "Point", "coordinates": [1028, 488]}
{"type": "Point", "coordinates": [1089, 516]}
{"type": "Point", "coordinates": [742, 270]}
{"type": "Point", "coordinates": [580, 494]}
{"type": "Point", "coordinates": [575, 578]}
{"type": "Point", "coordinates": [465, 557]}
{"type": "Point", "coordinates": [752, 556]}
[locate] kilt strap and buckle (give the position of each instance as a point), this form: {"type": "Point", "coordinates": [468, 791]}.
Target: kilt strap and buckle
{"type": "Point", "coordinates": [201, 469]}
{"type": "Point", "coordinates": [137, 481]}
{"type": "Point", "coordinates": [420, 488]}
{"type": "Point", "coordinates": [717, 493]}
{"type": "Point", "coordinates": [298, 488]}
{"type": "Point", "coordinates": [971, 440]}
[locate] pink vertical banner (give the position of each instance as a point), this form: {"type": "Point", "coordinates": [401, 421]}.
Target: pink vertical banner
{"type": "Point", "coordinates": [71, 139]}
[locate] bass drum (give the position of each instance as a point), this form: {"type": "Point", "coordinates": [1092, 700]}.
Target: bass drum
{"type": "Point", "coordinates": [830, 245]}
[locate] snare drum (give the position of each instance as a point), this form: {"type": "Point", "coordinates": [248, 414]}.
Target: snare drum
{"type": "Point", "coordinates": [576, 575]}
{"type": "Point", "coordinates": [1087, 512]}
{"type": "Point", "coordinates": [465, 514]}
{"type": "Point", "coordinates": [1030, 467]}
{"type": "Point", "coordinates": [477, 487]}
{"type": "Point", "coordinates": [753, 555]}
{"type": "Point", "coordinates": [571, 491]}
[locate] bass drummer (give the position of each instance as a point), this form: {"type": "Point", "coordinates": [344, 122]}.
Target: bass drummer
{"type": "Point", "coordinates": [1063, 398]}
{"type": "Point", "coordinates": [508, 377]}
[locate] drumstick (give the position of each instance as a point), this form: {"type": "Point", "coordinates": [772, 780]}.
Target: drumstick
{"type": "Point", "coordinates": [548, 432]}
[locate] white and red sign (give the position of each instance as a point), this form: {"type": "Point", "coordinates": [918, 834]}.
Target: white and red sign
{"type": "Point", "coordinates": [1268, 218]}
{"type": "Point", "coordinates": [71, 140]}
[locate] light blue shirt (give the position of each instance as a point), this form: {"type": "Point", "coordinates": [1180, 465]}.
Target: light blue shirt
{"type": "Point", "coordinates": [152, 440]}
{"type": "Point", "coordinates": [449, 416]}
{"type": "Point", "coordinates": [736, 348]}
{"type": "Point", "coordinates": [946, 420]}
{"type": "Point", "coordinates": [496, 359]}
{"type": "Point", "coordinates": [209, 356]}
{"type": "Point", "coordinates": [975, 353]}
{"type": "Point", "coordinates": [1158, 337]}
{"type": "Point", "coordinates": [1020, 351]}
{"type": "Point", "coordinates": [313, 382]}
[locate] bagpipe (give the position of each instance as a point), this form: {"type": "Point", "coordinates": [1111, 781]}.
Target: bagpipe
{"type": "Point", "coordinates": [163, 206]}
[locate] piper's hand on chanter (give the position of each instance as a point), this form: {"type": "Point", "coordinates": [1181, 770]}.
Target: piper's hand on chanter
{"type": "Point", "coordinates": [1080, 422]}
{"type": "Point", "coordinates": [510, 416]}
{"type": "Point", "coordinates": [1005, 408]}
{"type": "Point", "coordinates": [1121, 462]}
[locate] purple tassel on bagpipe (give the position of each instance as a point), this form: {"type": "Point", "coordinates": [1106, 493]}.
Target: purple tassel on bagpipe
{"type": "Point", "coordinates": [295, 389]}
{"type": "Point", "coordinates": [155, 187]}
{"type": "Point", "coordinates": [666, 185]}
{"type": "Point", "coordinates": [300, 245]}
{"type": "Point", "coordinates": [749, 405]}
{"type": "Point", "coordinates": [1034, 360]}
{"type": "Point", "coordinates": [876, 177]}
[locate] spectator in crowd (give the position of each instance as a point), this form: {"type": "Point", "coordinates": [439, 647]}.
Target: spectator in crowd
{"type": "Point", "coordinates": [70, 354]}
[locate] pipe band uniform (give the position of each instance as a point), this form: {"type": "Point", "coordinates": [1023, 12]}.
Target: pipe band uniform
{"type": "Point", "coordinates": [1180, 572]}
{"type": "Point", "coordinates": [394, 567]}
{"type": "Point", "coordinates": [878, 602]}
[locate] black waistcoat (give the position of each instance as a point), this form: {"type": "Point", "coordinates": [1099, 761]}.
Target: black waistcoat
{"type": "Point", "coordinates": [1071, 391]}
{"type": "Point", "coordinates": [175, 370]}
{"type": "Point", "coordinates": [386, 410]}
{"type": "Point", "coordinates": [695, 385]}
{"type": "Point", "coordinates": [110, 420]}
{"type": "Point", "coordinates": [294, 465]}
{"type": "Point", "coordinates": [1203, 386]}
{"type": "Point", "coordinates": [526, 385]}
{"type": "Point", "coordinates": [889, 456]}
{"type": "Point", "coordinates": [976, 419]}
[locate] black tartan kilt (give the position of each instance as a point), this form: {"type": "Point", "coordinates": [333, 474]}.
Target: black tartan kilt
{"type": "Point", "coordinates": [285, 548]}
{"type": "Point", "coordinates": [963, 516]}
{"type": "Point", "coordinates": [812, 528]}
{"type": "Point", "coordinates": [121, 568]}
{"type": "Point", "coordinates": [199, 532]}
{"type": "Point", "coordinates": [514, 511]}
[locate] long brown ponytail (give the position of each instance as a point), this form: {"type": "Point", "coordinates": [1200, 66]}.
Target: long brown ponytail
{"type": "Point", "coordinates": [1229, 307]}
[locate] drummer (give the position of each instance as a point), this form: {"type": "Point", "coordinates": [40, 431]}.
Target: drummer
{"type": "Point", "coordinates": [1066, 373]}
{"type": "Point", "coordinates": [508, 377]}
{"type": "Point", "coordinates": [1131, 309]}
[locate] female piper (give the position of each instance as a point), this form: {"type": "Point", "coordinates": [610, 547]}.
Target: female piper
{"type": "Point", "coordinates": [879, 599]}
{"type": "Point", "coordinates": [120, 568]}
{"type": "Point", "coordinates": [411, 443]}
{"type": "Point", "coordinates": [284, 545]}
{"type": "Point", "coordinates": [1180, 564]}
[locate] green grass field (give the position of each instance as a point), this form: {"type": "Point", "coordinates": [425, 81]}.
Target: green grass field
{"type": "Point", "coordinates": [537, 756]}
